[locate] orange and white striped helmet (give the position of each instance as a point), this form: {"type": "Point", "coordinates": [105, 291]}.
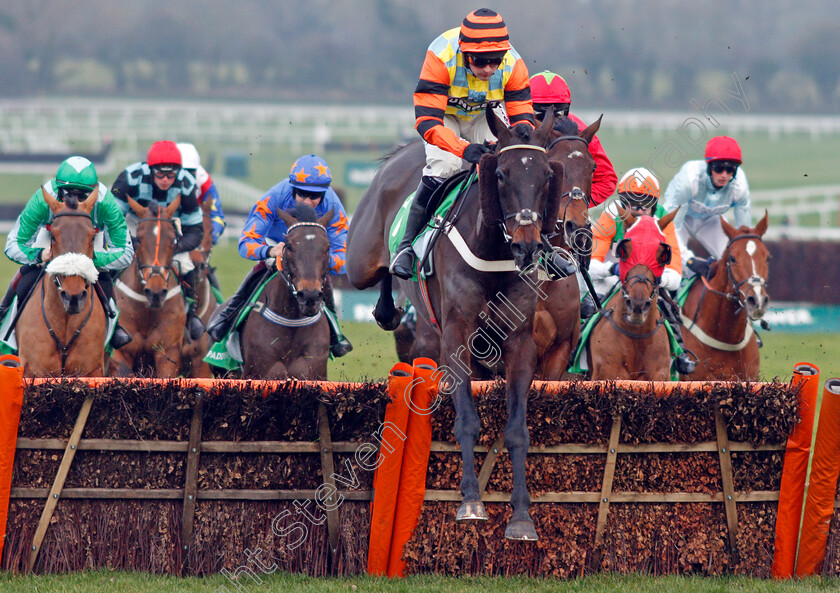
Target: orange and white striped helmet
{"type": "Point", "coordinates": [639, 185]}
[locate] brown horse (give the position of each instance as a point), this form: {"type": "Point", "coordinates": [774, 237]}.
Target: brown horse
{"type": "Point", "coordinates": [287, 334]}
{"type": "Point", "coordinates": [557, 318]}
{"type": "Point", "coordinates": [482, 315]}
{"type": "Point", "coordinates": [629, 340]}
{"type": "Point", "coordinates": [149, 297]}
{"type": "Point", "coordinates": [62, 328]}
{"type": "Point", "coordinates": [193, 351]}
{"type": "Point", "coordinates": [718, 311]}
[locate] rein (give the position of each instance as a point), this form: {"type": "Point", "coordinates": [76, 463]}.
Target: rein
{"type": "Point", "coordinates": [63, 348]}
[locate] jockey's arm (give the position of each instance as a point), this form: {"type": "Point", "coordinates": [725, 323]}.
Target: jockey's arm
{"type": "Point", "coordinates": [191, 235]}
{"type": "Point", "coordinates": [743, 212]}
{"type": "Point", "coordinates": [19, 244]}
{"type": "Point", "coordinates": [430, 97]}
{"type": "Point", "coordinates": [518, 103]}
{"type": "Point", "coordinates": [119, 250]}
{"type": "Point", "coordinates": [604, 178]}
{"type": "Point", "coordinates": [217, 215]}
{"type": "Point", "coordinates": [337, 231]}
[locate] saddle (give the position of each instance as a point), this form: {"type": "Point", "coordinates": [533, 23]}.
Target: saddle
{"type": "Point", "coordinates": [438, 210]}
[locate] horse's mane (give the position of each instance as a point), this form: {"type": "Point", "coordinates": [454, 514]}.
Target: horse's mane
{"type": "Point", "coordinates": [304, 213]}
{"type": "Point", "coordinates": [395, 150]}
{"type": "Point", "coordinates": [566, 126]}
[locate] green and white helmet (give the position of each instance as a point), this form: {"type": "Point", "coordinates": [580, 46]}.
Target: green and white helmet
{"type": "Point", "coordinates": [76, 172]}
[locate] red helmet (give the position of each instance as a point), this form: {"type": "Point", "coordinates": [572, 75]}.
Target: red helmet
{"type": "Point", "coordinates": [482, 31]}
{"type": "Point", "coordinates": [164, 152]}
{"type": "Point", "coordinates": [723, 148]}
{"type": "Point", "coordinates": [548, 87]}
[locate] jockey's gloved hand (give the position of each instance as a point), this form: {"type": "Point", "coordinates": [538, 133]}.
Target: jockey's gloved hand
{"type": "Point", "coordinates": [473, 152]}
{"type": "Point", "coordinates": [699, 266]}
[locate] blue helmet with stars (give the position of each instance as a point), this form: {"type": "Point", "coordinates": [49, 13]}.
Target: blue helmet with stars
{"type": "Point", "coordinates": [310, 173]}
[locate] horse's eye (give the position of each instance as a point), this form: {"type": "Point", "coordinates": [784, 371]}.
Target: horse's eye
{"type": "Point", "coordinates": [500, 176]}
{"type": "Point", "coordinates": [732, 259]}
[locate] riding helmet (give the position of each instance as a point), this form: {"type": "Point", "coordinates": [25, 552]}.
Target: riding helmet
{"type": "Point", "coordinates": [548, 87]}
{"type": "Point", "coordinates": [164, 152]}
{"type": "Point", "coordinates": [483, 31]}
{"type": "Point", "coordinates": [190, 158]}
{"type": "Point", "coordinates": [723, 148]}
{"type": "Point", "coordinates": [310, 173]}
{"type": "Point", "coordinates": [639, 186]}
{"type": "Point", "coordinates": [76, 172]}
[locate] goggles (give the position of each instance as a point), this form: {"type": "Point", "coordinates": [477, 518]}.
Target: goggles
{"type": "Point", "coordinates": [560, 109]}
{"type": "Point", "coordinates": [165, 172]}
{"type": "Point", "coordinates": [724, 167]}
{"type": "Point", "coordinates": [73, 192]}
{"type": "Point", "coordinates": [481, 62]}
{"type": "Point", "coordinates": [313, 196]}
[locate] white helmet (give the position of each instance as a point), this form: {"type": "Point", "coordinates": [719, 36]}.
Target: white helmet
{"type": "Point", "coordinates": [189, 156]}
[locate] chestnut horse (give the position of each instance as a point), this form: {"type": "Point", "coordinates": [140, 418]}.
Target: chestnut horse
{"type": "Point", "coordinates": [149, 297]}
{"type": "Point", "coordinates": [485, 315]}
{"type": "Point", "coordinates": [287, 333]}
{"type": "Point", "coordinates": [629, 340]}
{"type": "Point", "coordinates": [62, 328]}
{"type": "Point", "coordinates": [717, 313]}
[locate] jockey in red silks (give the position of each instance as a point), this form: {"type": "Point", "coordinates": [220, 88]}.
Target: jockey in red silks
{"type": "Point", "coordinates": [550, 92]}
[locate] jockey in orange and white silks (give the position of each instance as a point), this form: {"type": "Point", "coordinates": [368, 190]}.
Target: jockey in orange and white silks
{"type": "Point", "coordinates": [638, 191]}
{"type": "Point", "coordinates": [706, 189]}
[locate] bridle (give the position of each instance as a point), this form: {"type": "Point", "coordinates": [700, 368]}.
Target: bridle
{"type": "Point", "coordinates": [628, 283]}
{"type": "Point", "coordinates": [574, 194]}
{"type": "Point", "coordinates": [526, 216]}
{"type": "Point", "coordinates": [736, 295]}
{"type": "Point", "coordinates": [145, 272]}
{"type": "Point", "coordinates": [283, 271]}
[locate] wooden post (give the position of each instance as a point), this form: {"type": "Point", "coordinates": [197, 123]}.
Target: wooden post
{"type": "Point", "coordinates": [191, 481]}
{"type": "Point", "coordinates": [606, 491]}
{"type": "Point", "coordinates": [327, 472]}
{"type": "Point", "coordinates": [58, 484]}
{"type": "Point", "coordinates": [490, 462]}
{"type": "Point", "coordinates": [724, 453]}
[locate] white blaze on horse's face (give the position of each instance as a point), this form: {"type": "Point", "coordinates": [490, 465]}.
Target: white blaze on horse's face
{"type": "Point", "coordinates": [751, 249]}
{"type": "Point", "coordinates": [156, 230]}
{"type": "Point", "coordinates": [575, 154]}
{"type": "Point", "coordinates": [309, 237]}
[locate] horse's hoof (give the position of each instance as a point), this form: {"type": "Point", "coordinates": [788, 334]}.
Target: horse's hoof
{"type": "Point", "coordinates": [521, 530]}
{"type": "Point", "coordinates": [471, 510]}
{"type": "Point", "coordinates": [391, 323]}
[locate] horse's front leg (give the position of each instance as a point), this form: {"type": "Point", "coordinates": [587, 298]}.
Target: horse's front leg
{"type": "Point", "coordinates": [467, 424]}
{"type": "Point", "coordinates": [520, 363]}
{"type": "Point", "coordinates": [386, 314]}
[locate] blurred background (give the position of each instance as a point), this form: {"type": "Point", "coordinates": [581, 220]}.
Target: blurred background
{"type": "Point", "coordinates": [256, 83]}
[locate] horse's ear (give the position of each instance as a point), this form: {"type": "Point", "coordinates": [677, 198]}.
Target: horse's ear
{"type": "Point", "coordinates": [761, 227]}
{"type": "Point", "coordinates": [170, 210]}
{"type": "Point", "coordinates": [626, 215]}
{"type": "Point", "coordinates": [544, 131]}
{"type": "Point", "coordinates": [667, 219]}
{"type": "Point", "coordinates": [591, 130]}
{"type": "Point", "coordinates": [286, 217]}
{"type": "Point", "coordinates": [54, 204]}
{"type": "Point", "coordinates": [663, 254]}
{"type": "Point", "coordinates": [326, 218]}
{"type": "Point", "coordinates": [497, 126]}
{"type": "Point", "coordinates": [135, 206]}
{"type": "Point", "coordinates": [624, 249]}
{"type": "Point", "coordinates": [489, 189]}
{"type": "Point", "coordinates": [555, 188]}
{"type": "Point", "coordinates": [730, 230]}
{"type": "Point", "coordinates": [90, 201]}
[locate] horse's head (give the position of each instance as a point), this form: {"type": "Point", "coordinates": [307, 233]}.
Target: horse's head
{"type": "Point", "coordinates": [306, 256]}
{"type": "Point", "coordinates": [570, 146]}
{"type": "Point", "coordinates": [154, 247]}
{"type": "Point", "coordinates": [71, 266]}
{"type": "Point", "coordinates": [642, 254]}
{"type": "Point", "coordinates": [520, 187]}
{"type": "Point", "coordinates": [745, 260]}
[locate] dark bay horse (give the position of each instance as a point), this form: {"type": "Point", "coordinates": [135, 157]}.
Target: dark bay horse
{"type": "Point", "coordinates": [149, 297]}
{"type": "Point", "coordinates": [629, 340]}
{"type": "Point", "coordinates": [482, 315]}
{"type": "Point", "coordinates": [62, 328]}
{"type": "Point", "coordinates": [287, 334]}
{"type": "Point", "coordinates": [717, 312]}
{"type": "Point", "coordinates": [557, 318]}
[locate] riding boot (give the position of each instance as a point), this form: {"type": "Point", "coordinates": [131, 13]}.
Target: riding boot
{"type": "Point", "coordinates": [195, 326]}
{"type": "Point", "coordinates": [105, 292]}
{"type": "Point", "coordinates": [587, 308]}
{"type": "Point", "coordinates": [224, 317]}
{"type": "Point", "coordinates": [558, 267]}
{"type": "Point", "coordinates": [686, 362]}
{"type": "Point", "coordinates": [403, 264]}
{"type": "Point", "coordinates": [9, 297]}
{"type": "Point", "coordinates": [339, 344]}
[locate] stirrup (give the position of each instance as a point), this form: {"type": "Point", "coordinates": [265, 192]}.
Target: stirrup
{"type": "Point", "coordinates": [196, 327]}
{"type": "Point", "coordinates": [684, 363]}
{"type": "Point", "coordinates": [120, 338]}
{"type": "Point", "coordinates": [400, 270]}
{"type": "Point", "coordinates": [341, 348]}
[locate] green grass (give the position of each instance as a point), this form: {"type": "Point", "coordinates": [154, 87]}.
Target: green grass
{"type": "Point", "coordinates": [121, 582]}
